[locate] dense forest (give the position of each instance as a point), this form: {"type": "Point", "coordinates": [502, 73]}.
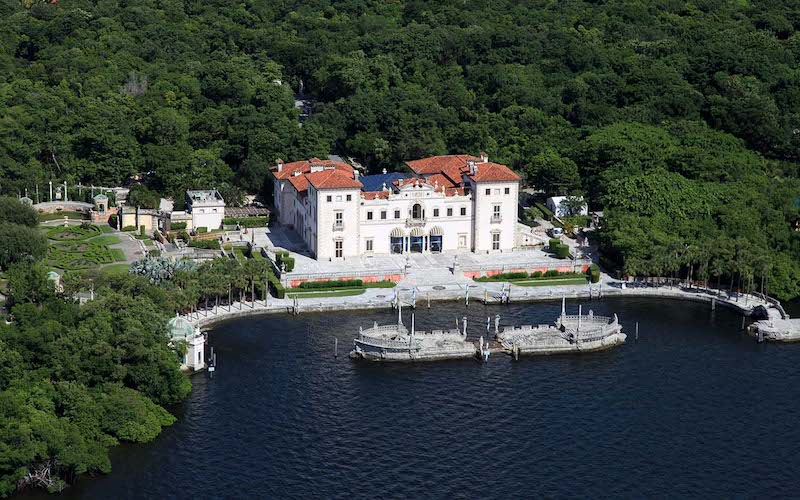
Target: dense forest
{"type": "Point", "coordinates": [681, 120]}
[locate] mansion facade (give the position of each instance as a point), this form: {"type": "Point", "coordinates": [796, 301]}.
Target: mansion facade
{"type": "Point", "coordinates": [446, 204]}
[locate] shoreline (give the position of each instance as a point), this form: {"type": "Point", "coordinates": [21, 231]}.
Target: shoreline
{"type": "Point", "coordinates": [237, 310]}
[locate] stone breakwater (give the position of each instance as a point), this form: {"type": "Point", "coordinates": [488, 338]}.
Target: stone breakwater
{"type": "Point", "coordinates": [491, 293]}
{"type": "Point", "coordinates": [776, 329]}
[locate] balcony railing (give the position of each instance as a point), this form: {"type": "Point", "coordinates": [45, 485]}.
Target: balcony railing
{"type": "Point", "coordinates": [496, 218]}
{"type": "Point", "coordinates": [412, 222]}
{"type": "Point", "coordinates": [338, 226]}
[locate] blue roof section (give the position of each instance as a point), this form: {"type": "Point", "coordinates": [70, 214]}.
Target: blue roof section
{"type": "Point", "coordinates": [373, 183]}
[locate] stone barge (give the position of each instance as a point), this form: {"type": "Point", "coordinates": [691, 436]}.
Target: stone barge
{"type": "Point", "coordinates": [569, 334]}
{"type": "Point", "coordinates": [776, 330]}
{"type": "Point", "coordinates": [396, 343]}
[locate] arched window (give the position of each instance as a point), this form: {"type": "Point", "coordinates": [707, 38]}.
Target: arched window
{"type": "Point", "coordinates": [416, 211]}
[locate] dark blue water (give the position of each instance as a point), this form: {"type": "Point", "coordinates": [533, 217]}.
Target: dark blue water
{"type": "Point", "coordinates": [693, 408]}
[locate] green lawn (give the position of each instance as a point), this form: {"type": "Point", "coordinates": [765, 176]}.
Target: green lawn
{"type": "Point", "coordinates": [60, 216]}
{"type": "Point", "coordinates": [552, 282]}
{"type": "Point", "coordinates": [105, 229]}
{"type": "Point", "coordinates": [115, 269]}
{"type": "Point", "coordinates": [330, 293]}
{"type": "Point", "coordinates": [72, 233]}
{"type": "Point", "coordinates": [241, 252]}
{"type": "Point", "coordinates": [105, 240]}
{"type": "Point", "coordinates": [119, 255]}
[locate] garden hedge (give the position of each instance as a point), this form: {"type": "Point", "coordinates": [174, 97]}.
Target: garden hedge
{"type": "Point", "coordinates": [246, 221]}
{"type": "Point", "coordinates": [562, 251]}
{"type": "Point", "coordinates": [318, 285]}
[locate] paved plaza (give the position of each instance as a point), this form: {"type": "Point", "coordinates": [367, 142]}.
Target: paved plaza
{"type": "Point", "coordinates": [423, 268]}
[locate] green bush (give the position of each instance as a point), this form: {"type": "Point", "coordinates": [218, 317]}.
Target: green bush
{"type": "Point", "coordinates": [553, 244]}
{"type": "Point", "coordinates": [129, 229]}
{"type": "Point", "coordinates": [551, 273]}
{"type": "Point", "coordinates": [206, 244]}
{"type": "Point", "coordinates": [593, 273]}
{"type": "Point", "coordinates": [283, 257]}
{"type": "Point", "coordinates": [154, 253]}
{"type": "Point", "coordinates": [562, 251]}
{"type": "Point", "coordinates": [320, 285]}
{"type": "Point", "coordinates": [503, 277]}
{"type": "Point", "coordinates": [177, 226]}
{"type": "Point", "coordinates": [246, 221]}
{"type": "Point", "coordinates": [546, 213]}
{"type": "Point", "coordinates": [112, 220]}
{"type": "Point", "coordinates": [536, 274]}
{"type": "Point", "coordinates": [200, 230]}
{"type": "Point", "coordinates": [275, 286]}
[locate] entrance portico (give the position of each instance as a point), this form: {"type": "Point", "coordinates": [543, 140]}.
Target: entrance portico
{"type": "Point", "coordinates": [416, 241]}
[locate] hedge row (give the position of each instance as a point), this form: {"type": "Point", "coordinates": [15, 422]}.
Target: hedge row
{"type": "Point", "coordinates": [283, 257]}
{"type": "Point", "coordinates": [518, 276]}
{"type": "Point", "coordinates": [275, 286]}
{"type": "Point", "coordinates": [206, 244]}
{"type": "Point", "coordinates": [593, 273]}
{"type": "Point", "coordinates": [317, 285]}
{"type": "Point", "coordinates": [177, 226]}
{"type": "Point", "coordinates": [246, 221]}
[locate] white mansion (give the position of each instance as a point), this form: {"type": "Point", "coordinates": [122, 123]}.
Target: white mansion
{"type": "Point", "coordinates": [449, 203]}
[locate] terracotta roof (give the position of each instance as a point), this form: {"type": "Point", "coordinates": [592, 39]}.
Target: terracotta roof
{"type": "Point", "coordinates": [375, 195]}
{"type": "Point", "coordinates": [437, 164]}
{"type": "Point", "coordinates": [454, 191]}
{"type": "Point", "coordinates": [493, 172]}
{"type": "Point", "coordinates": [304, 167]}
{"type": "Point", "coordinates": [440, 180]}
{"type": "Point", "coordinates": [332, 179]}
{"type": "Point", "coordinates": [299, 182]}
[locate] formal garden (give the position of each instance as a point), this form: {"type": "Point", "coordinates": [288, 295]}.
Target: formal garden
{"type": "Point", "coordinates": [74, 248]}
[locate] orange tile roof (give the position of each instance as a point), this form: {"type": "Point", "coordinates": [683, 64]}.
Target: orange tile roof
{"type": "Point", "coordinates": [439, 180]}
{"type": "Point", "coordinates": [454, 191]}
{"type": "Point", "coordinates": [304, 167]}
{"type": "Point", "coordinates": [375, 195]}
{"type": "Point", "coordinates": [332, 179]}
{"type": "Point", "coordinates": [454, 166]}
{"type": "Point", "coordinates": [299, 182]}
{"type": "Point", "coordinates": [437, 164]}
{"type": "Point", "coordinates": [493, 172]}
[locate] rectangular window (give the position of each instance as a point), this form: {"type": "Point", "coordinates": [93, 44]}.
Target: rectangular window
{"type": "Point", "coordinates": [497, 191]}
{"type": "Point", "coordinates": [497, 210]}
{"type": "Point", "coordinates": [463, 210]}
{"type": "Point", "coordinates": [369, 245]}
{"type": "Point", "coordinates": [488, 191]}
{"type": "Point", "coordinates": [350, 197]}
{"type": "Point", "coordinates": [339, 252]}
{"type": "Point", "coordinates": [339, 198]}
{"type": "Point", "coordinates": [397, 214]}
{"type": "Point", "coordinates": [369, 215]}
{"type": "Point", "coordinates": [495, 241]}
{"type": "Point", "coordinates": [338, 218]}
{"type": "Point", "coordinates": [508, 190]}
{"type": "Point", "coordinates": [383, 214]}
{"type": "Point", "coordinates": [436, 212]}
{"type": "Point", "coordinates": [449, 212]}
{"type": "Point", "coordinates": [329, 199]}
{"type": "Point", "coordinates": [462, 241]}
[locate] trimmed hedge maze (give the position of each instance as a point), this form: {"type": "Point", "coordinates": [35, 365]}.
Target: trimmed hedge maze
{"type": "Point", "coordinates": [73, 233]}
{"type": "Point", "coordinates": [77, 255]}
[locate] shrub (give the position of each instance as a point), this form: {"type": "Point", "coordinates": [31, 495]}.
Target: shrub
{"type": "Point", "coordinates": [319, 285]}
{"type": "Point", "coordinates": [246, 221]}
{"type": "Point", "coordinates": [177, 226]}
{"type": "Point", "coordinates": [504, 277]}
{"type": "Point", "coordinates": [200, 230]}
{"type": "Point", "coordinates": [593, 273]}
{"type": "Point", "coordinates": [128, 229]}
{"type": "Point", "coordinates": [154, 253]}
{"type": "Point", "coordinates": [283, 257]}
{"type": "Point", "coordinates": [183, 235]}
{"type": "Point", "coordinates": [562, 251]}
{"type": "Point", "coordinates": [536, 274]}
{"type": "Point", "coordinates": [546, 213]}
{"type": "Point", "coordinates": [112, 220]}
{"type": "Point", "coordinates": [206, 244]}
{"type": "Point", "coordinates": [275, 286]}
{"type": "Point", "coordinates": [553, 244]}
{"type": "Point", "coordinates": [551, 273]}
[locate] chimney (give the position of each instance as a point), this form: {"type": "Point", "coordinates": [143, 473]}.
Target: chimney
{"type": "Point", "coordinates": [473, 168]}
{"type": "Point", "coordinates": [384, 171]}
{"type": "Point", "coordinates": [484, 157]}
{"type": "Point", "coordinates": [280, 164]}
{"type": "Point", "coordinates": [355, 174]}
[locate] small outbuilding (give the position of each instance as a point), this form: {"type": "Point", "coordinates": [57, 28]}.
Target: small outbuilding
{"type": "Point", "coordinates": [180, 329]}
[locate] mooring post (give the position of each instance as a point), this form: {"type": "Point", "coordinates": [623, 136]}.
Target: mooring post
{"type": "Point", "coordinates": [713, 303]}
{"type": "Point", "coordinates": [485, 296]}
{"type": "Point", "coordinates": [429, 300]}
{"type": "Point", "coordinates": [637, 330]}
{"type": "Point", "coordinates": [466, 297]}
{"type": "Point", "coordinates": [743, 323]}
{"type": "Point", "coordinates": [464, 320]}
{"type": "Point", "coordinates": [488, 325]}
{"type": "Point", "coordinates": [414, 298]}
{"type": "Point", "coordinates": [335, 347]}
{"type": "Point", "coordinates": [496, 323]}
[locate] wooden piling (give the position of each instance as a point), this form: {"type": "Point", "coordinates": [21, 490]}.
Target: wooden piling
{"type": "Point", "coordinates": [637, 330]}
{"type": "Point", "coordinates": [335, 347]}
